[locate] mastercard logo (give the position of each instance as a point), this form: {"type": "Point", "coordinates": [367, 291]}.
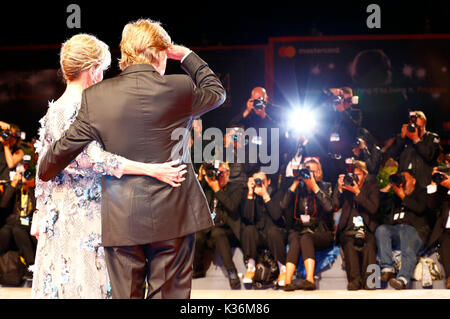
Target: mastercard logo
{"type": "Point", "coordinates": [287, 51]}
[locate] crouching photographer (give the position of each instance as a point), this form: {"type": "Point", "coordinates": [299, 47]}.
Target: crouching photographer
{"type": "Point", "coordinates": [405, 227]}
{"type": "Point", "coordinates": [308, 209]}
{"type": "Point", "coordinates": [438, 197]}
{"type": "Point", "coordinates": [359, 199]}
{"type": "Point", "coordinates": [223, 198]}
{"type": "Point", "coordinates": [19, 202]}
{"type": "Point", "coordinates": [11, 152]}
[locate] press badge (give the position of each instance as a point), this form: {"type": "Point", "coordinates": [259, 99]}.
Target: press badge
{"type": "Point", "coordinates": [25, 221]}
{"type": "Point", "coordinates": [305, 218]}
{"type": "Point", "coordinates": [358, 221]}
{"type": "Point", "coordinates": [334, 137]}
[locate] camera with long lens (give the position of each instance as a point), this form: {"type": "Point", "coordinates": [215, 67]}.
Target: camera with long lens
{"type": "Point", "coordinates": [412, 127]}
{"type": "Point", "coordinates": [358, 142]}
{"type": "Point", "coordinates": [28, 172]}
{"type": "Point", "coordinates": [212, 172]}
{"type": "Point", "coordinates": [440, 176]}
{"type": "Point", "coordinates": [350, 176]}
{"type": "Point", "coordinates": [259, 103]}
{"type": "Point", "coordinates": [7, 134]}
{"type": "Point", "coordinates": [397, 179]}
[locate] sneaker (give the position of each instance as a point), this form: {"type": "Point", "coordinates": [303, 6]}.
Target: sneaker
{"type": "Point", "coordinates": [281, 279]}
{"type": "Point", "coordinates": [248, 277]}
{"type": "Point", "coordinates": [234, 279]}
{"type": "Point", "coordinates": [398, 284]}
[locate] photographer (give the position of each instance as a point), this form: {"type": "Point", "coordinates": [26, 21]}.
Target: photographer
{"type": "Point", "coordinates": [367, 151]}
{"type": "Point", "coordinates": [346, 117]}
{"type": "Point", "coordinates": [405, 227]}
{"type": "Point", "coordinates": [10, 153]}
{"type": "Point", "coordinates": [359, 199]}
{"type": "Point", "coordinates": [19, 202]}
{"type": "Point", "coordinates": [438, 196]}
{"type": "Point", "coordinates": [308, 208]}
{"type": "Point", "coordinates": [263, 225]}
{"type": "Point", "coordinates": [223, 198]}
{"type": "Point", "coordinates": [416, 149]}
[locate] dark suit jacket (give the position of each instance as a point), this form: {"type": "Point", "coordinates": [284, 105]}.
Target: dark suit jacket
{"type": "Point", "coordinates": [415, 207]}
{"type": "Point", "coordinates": [11, 202]}
{"type": "Point", "coordinates": [134, 115]}
{"type": "Point", "coordinates": [227, 210]}
{"type": "Point", "coordinates": [439, 199]}
{"type": "Point", "coordinates": [365, 204]}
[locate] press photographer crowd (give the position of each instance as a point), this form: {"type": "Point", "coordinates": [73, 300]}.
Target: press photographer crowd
{"type": "Point", "coordinates": [335, 187]}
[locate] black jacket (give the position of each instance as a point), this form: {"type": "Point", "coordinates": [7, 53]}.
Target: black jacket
{"type": "Point", "coordinates": [415, 209]}
{"type": "Point", "coordinates": [293, 206]}
{"type": "Point", "coordinates": [439, 199]}
{"type": "Point", "coordinates": [365, 205]}
{"type": "Point", "coordinates": [143, 116]}
{"type": "Point", "coordinates": [263, 215]}
{"type": "Point", "coordinates": [227, 208]}
{"type": "Point", "coordinates": [11, 203]}
{"type": "Point", "coordinates": [420, 157]}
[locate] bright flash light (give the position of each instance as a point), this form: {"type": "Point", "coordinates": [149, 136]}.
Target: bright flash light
{"type": "Point", "coordinates": [302, 120]}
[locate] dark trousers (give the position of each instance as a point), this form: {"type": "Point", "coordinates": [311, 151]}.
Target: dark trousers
{"type": "Point", "coordinates": [444, 251]}
{"type": "Point", "coordinates": [18, 236]}
{"type": "Point", "coordinates": [307, 244]}
{"type": "Point", "coordinates": [220, 237]}
{"type": "Point", "coordinates": [167, 265]}
{"type": "Point", "coordinates": [272, 238]}
{"type": "Point", "coordinates": [356, 269]}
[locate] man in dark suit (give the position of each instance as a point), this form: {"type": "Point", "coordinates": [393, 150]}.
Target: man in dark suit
{"type": "Point", "coordinates": [359, 201]}
{"type": "Point", "coordinates": [439, 197]}
{"type": "Point", "coordinates": [147, 227]}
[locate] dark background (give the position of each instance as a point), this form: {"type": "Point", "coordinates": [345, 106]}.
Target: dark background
{"type": "Point", "coordinates": [230, 35]}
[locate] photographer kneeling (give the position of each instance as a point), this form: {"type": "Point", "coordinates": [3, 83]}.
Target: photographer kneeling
{"type": "Point", "coordinates": [405, 227]}
{"type": "Point", "coordinates": [359, 199]}
{"type": "Point", "coordinates": [19, 202]}
{"type": "Point", "coordinates": [224, 199]}
{"type": "Point", "coordinates": [308, 206]}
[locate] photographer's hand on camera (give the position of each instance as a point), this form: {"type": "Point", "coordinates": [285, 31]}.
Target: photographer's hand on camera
{"type": "Point", "coordinates": [413, 136]}
{"type": "Point", "coordinates": [212, 183]}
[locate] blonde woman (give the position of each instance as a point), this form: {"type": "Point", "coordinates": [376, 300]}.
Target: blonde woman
{"type": "Point", "coordinates": [70, 261]}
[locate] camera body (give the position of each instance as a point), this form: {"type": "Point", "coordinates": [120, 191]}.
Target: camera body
{"type": "Point", "coordinates": [412, 127]}
{"type": "Point", "coordinates": [212, 172]}
{"type": "Point", "coordinates": [439, 176]}
{"type": "Point", "coordinates": [359, 230]}
{"type": "Point", "coordinates": [28, 172]}
{"type": "Point", "coordinates": [301, 172]}
{"type": "Point", "coordinates": [350, 176]}
{"type": "Point", "coordinates": [7, 134]}
{"type": "Point", "coordinates": [259, 103]}
{"type": "Point", "coordinates": [397, 179]}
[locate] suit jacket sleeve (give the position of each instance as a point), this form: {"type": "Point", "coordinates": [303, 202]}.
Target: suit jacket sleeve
{"type": "Point", "coordinates": [66, 149]}
{"type": "Point", "coordinates": [369, 198]}
{"type": "Point", "coordinates": [231, 199]}
{"type": "Point", "coordinates": [208, 91]}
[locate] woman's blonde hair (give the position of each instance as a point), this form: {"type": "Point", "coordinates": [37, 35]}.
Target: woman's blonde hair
{"type": "Point", "coordinates": [141, 41]}
{"type": "Point", "coordinates": [81, 52]}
